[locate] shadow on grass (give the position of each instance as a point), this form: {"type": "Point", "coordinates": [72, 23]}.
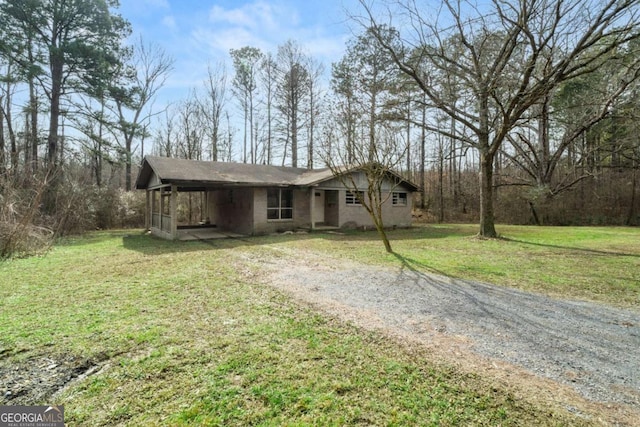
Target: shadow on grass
{"type": "Point", "coordinates": [571, 248]}
{"type": "Point", "coordinates": [419, 267]}
{"type": "Point", "coordinates": [151, 245]}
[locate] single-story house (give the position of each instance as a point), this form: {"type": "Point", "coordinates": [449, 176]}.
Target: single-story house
{"type": "Point", "coordinates": [257, 199]}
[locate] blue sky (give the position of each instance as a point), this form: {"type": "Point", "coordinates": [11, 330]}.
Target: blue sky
{"type": "Point", "coordinates": [198, 32]}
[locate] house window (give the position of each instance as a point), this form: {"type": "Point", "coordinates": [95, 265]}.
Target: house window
{"type": "Point", "coordinates": [399, 199]}
{"type": "Point", "coordinates": [279, 203]}
{"type": "Point", "coordinates": [352, 198]}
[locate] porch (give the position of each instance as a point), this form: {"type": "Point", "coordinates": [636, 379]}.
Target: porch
{"type": "Point", "coordinates": [189, 233]}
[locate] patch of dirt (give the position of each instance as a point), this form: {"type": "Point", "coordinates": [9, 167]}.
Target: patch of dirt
{"type": "Point", "coordinates": [579, 357]}
{"type": "Point", "coordinates": [35, 380]}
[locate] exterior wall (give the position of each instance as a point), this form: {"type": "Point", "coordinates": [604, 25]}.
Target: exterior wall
{"type": "Point", "coordinates": [153, 181]}
{"type": "Point", "coordinates": [232, 209]}
{"type": "Point", "coordinates": [301, 209]}
{"type": "Point", "coordinates": [360, 180]}
{"type": "Point", "coordinates": [357, 215]}
{"type": "Point", "coordinates": [332, 208]}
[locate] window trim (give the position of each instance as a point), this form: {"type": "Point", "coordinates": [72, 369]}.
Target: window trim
{"type": "Point", "coordinates": [397, 196]}
{"type": "Point", "coordinates": [351, 198]}
{"type": "Point", "coordinates": [280, 208]}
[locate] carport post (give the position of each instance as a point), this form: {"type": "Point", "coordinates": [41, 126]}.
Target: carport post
{"type": "Point", "coordinates": [312, 207]}
{"type": "Point", "coordinates": [148, 212]}
{"type": "Point", "coordinates": [174, 211]}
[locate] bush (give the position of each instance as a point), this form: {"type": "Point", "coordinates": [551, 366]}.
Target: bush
{"type": "Point", "coordinates": [33, 213]}
{"type": "Point", "coordinates": [21, 233]}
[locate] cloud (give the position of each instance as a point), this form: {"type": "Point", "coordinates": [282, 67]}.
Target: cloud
{"type": "Point", "coordinates": [162, 4]}
{"type": "Point", "coordinates": [223, 40]}
{"type": "Point", "coordinates": [258, 15]}
{"type": "Point", "coordinates": [170, 22]}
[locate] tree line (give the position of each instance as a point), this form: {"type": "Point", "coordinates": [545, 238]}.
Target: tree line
{"type": "Point", "coordinates": [520, 112]}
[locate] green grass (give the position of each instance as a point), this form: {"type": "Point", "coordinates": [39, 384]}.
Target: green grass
{"type": "Point", "coordinates": [600, 264]}
{"type": "Point", "coordinates": [185, 336]}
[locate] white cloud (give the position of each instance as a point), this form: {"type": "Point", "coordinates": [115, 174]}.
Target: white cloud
{"type": "Point", "coordinates": [162, 4]}
{"type": "Point", "coordinates": [258, 15]}
{"type": "Point", "coordinates": [170, 22]}
{"type": "Point", "coordinates": [221, 41]}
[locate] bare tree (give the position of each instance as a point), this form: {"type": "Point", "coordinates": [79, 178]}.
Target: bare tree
{"type": "Point", "coordinates": [268, 71]}
{"type": "Point", "coordinates": [375, 163]}
{"type": "Point", "coordinates": [213, 106]}
{"type": "Point", "coordinates": [292, 91]}
{"type": "Point", "coordinates": [506, 56]}
{"type": "Point", "coordinates": [165, 138]}
{"type": "Point", "coordinates": [316, 69]}
{"type": "Point", "coordinates": [145, 76]}
{"type": "Point", "coordinates": [246, 62]}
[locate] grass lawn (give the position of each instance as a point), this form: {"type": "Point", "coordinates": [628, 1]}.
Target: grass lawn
{"type": "Point", "coordinates": [184, 336]}
{"type": "Point", "coordinates": [599, 264]}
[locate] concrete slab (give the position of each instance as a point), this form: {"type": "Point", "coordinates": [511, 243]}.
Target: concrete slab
{"type": "Point", "coordinates": [188, 234]}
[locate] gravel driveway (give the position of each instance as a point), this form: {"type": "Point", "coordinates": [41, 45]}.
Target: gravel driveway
{"type": "Point", "coordinates": [593, 348]}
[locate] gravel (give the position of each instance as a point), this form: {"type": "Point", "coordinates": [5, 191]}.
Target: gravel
{"type": "Point", "coordinates": [593, 348]}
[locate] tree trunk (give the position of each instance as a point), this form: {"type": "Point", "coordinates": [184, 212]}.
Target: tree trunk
{"type": "Point", "coordinates": [376, 210]}
{"type": "Point", "coordinates": [56, 92]}
{"type": "Point", "coordinates": [534, 213]}
{"type": "Point", "coordinates": [440, 180]}
{"type": "Point", "coordinates": [423, 153]}
{"type": "Point", "coordinates": [487, 220]}
{"type": "Point", "coordinates": [33, 110]}
{"type": "Point", "coordinates": [2, 144]}
{"type": "Point", "coordinates": [632, 205]}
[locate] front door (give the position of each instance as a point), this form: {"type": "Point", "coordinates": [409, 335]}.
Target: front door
{"type": "Point", "coordinates": [318, 206]}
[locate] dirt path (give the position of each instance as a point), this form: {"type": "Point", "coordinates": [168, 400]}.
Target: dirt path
{"type": "Point", "coordinates": [543, 345]}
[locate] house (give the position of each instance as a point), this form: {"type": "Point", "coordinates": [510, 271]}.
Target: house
{"type": "Point", "coordinates": [259, 199]}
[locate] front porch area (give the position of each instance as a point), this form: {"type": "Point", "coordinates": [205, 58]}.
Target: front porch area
{"type": "Point", "coordinates": [186, 234]}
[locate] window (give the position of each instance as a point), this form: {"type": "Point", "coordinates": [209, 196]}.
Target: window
{"type": "Point", "coordinates": [399, 199]}
{"type": "Point", "coordinates": [279, 203]}
{"type": "Point", "coordinates": [352, 198]}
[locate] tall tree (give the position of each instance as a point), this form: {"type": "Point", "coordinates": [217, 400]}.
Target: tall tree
{"type": "Point", "coordinates": [376, 79]}
{"type": "Point", "coordinates": [316, 69]}
{"type": "Point", "coordinates": [69, 39]}
{"type": "Point", "coordinates": [506, 56]}
{"type": "Point", "coordinates": [134, 91]}
{"type": "Point", "coordinates": [563, 119]}
{"type": "Point", "coordinates": [343, 84]}
{"type": "Point", "coordinates": [268, 71]}
{"type": "Point", "coordinates": [292, 91]}
{"type": "Point", "coordinates": [212, 105]}
{"type": "Point", "coordinates": [246, 63]}
{"type": "Point", "coordinates": [7, 90]}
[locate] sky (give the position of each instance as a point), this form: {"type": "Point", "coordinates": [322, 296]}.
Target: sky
{"type": "Point", "coordinates": [196, 33]}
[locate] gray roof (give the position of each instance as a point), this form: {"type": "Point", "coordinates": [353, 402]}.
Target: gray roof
{"type": "Point", "coordinates": [204, 173]}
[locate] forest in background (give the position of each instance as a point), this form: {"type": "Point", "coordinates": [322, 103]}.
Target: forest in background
{"type": "Point", "coordinates": [519, 113]}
